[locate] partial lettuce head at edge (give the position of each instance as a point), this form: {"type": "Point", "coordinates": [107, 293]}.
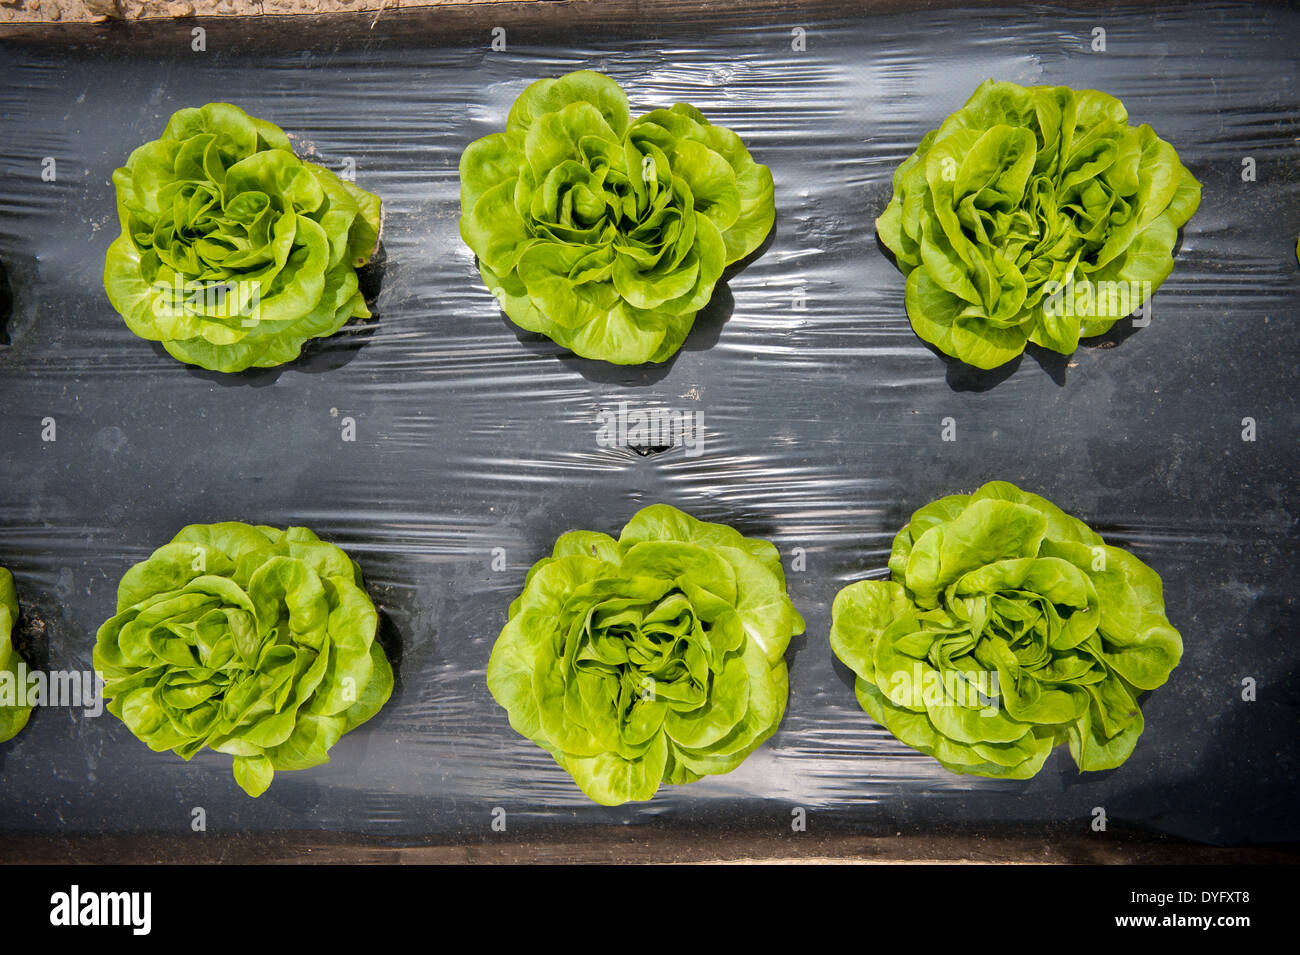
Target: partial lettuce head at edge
{"type": "Point", "coordinates": [13, 715]}
{"type": "Point", "coordinates": [655, 658]}
{"type": "Point", "coordinates": [1033, 214]}
{"type": "Point", "coordinates": [233, 251]}
{"type": "Point", "coordinates": [608, 234]}
{"type": "Point", "coordinates": [1006, 628]}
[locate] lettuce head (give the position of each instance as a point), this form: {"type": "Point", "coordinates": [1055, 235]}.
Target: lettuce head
{"type": "Point", "coordinates": [604, 233]}
{"type": "Point", "coordinates": [234, 252]}
{"type": "Point", "coordinates": [13, 713]}
{"type": "Point", "coordinates": [1033, 214]}
{"type": "Point", "coordinates": [655, 658]}
{"type": "Point", "coordinates": [251, 641]}
{"type": "Point", "coordinates": [1007, 627]}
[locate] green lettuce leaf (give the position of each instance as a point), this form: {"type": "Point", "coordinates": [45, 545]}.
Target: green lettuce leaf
{"type": "Point", "coordinates": [603, 233]}
{"type": "Point", "coordinates": [234, 252]}
{"type": "Point", "coordinates": [251, 641]}
{"type": "Point", "coordinates": [13, 714]}
{"type": "Point", "coordinates": [1007, 627]}
{"type": "Point", "coordinates": [655, 658]}
{"type": "Point", "coordinates": [1033, 214]}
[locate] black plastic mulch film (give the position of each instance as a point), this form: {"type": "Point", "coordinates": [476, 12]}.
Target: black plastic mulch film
{"type": "Point", "coordinates": [476, 444]}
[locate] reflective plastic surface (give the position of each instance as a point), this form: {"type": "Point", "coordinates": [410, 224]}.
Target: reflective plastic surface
{"type": "Point", "coordinates": [823, 415]}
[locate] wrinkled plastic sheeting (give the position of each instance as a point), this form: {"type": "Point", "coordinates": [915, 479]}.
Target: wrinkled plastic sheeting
{"type": "Point", "coordinates": [476, 444]}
